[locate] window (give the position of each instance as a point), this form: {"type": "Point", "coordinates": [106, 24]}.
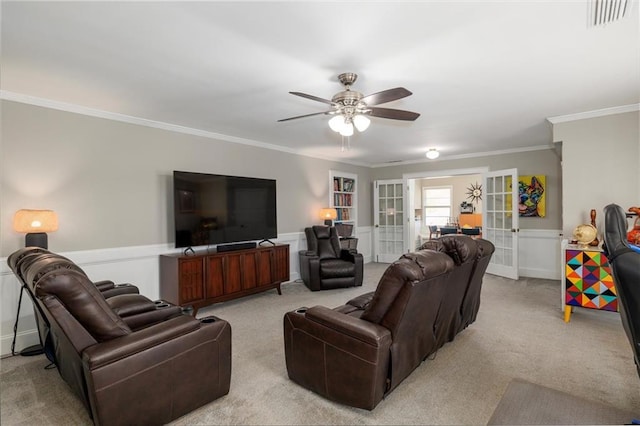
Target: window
{"type": "Point", "coordinates": [436, 204]}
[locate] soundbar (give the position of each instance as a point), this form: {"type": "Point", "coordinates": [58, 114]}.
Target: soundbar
{"type": "Point", "coordinates": [236, 246]}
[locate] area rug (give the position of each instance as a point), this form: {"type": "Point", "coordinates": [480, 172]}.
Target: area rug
{"type": "Point", "coordinates": [525, 403]}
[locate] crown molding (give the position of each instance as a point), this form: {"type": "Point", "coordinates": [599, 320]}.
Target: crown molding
{"type": "Point", "coordinates": [471, 155]}
{"type": "Point", "coordinates": [114, 116]}
{"type": "Point", "coordinates": [593, 114]}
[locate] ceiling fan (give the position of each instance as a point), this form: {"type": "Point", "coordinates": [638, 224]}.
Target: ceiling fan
{"type": "Point", "coordinates": [351, 108]}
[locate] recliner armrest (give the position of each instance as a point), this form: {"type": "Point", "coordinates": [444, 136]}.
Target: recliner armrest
{"type": "Point", "coordinates": [350, 255]}
{"type": "Point", "coordinates": [105, 353]}
{"type": "Point", "coordinates": [357, 328]}
{"type": "Point", "coordinates": [130, 304]}
{"type": "Point", "coordinates": [104, 284]}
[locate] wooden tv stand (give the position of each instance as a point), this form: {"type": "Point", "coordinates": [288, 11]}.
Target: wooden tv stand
{"type": "Point", "coordinates": [210, 277]}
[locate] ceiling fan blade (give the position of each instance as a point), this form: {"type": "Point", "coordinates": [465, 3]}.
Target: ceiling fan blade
{"type": "Point", "coordinates": [306, 115]}
{"type": "Point", "coordinates": [386, 96]}
{"type": "Point", "coordinates": [313, 98]}
{"type": "Point", "coordinates": [394, 114]}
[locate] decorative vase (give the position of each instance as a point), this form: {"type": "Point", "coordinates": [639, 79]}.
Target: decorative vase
{"type": "Point", "coordinates": [595, 241]}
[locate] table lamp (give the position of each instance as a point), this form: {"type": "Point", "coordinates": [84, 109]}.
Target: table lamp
{"type": "Point", "coordinates": [329, 215]}
{"type": "Point", "coordinates": [36, 224]}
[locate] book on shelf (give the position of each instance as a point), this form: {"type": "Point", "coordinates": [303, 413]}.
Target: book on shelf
{"type": "Point", "coordinates": [343, 184]}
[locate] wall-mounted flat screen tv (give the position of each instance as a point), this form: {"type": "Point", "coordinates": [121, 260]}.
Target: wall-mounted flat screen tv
{"type": "Point", "coordinates": [217, 209]}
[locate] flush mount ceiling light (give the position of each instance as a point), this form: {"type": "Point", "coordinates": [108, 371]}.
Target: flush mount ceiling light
{"type": "Point", "coordinates": [432, 154]}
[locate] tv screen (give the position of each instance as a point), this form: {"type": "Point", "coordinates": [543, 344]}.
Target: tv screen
{"type": "Point", "coordinates": [216, 209]}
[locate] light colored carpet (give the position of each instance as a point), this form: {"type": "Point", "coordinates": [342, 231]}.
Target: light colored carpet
{"type": "Point", "coordinates": [519, 333]}
{"type": "Point", "coordinates": [526, 403]}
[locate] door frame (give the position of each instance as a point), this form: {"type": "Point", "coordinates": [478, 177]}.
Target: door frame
{"type": "Point", "coordinates": [428, 174]}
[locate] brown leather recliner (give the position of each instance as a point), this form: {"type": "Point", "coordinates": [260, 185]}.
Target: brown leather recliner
{"type": "Point", "coordinates": [357, 353]}
{"type": "Point", "coordinates": [463, 251]}
{"type": "Point", "coordinates": [473, 256]}
{"type": "Point", "coordinates": [325, 265]}
{"type": "Point", "coordinates": [168, 366]}
{"type": "Point", "coordinates": [21, 260]}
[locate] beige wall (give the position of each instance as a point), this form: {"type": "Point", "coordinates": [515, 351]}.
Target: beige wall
{"type": "Point", "coordinates": [111, 182]}
{"type": "Point", "coordinates": [601, 163]}
{"type": "Point", "coordinates": [545, 162]}
{"type": "Point", "coordinates": [460, 192]}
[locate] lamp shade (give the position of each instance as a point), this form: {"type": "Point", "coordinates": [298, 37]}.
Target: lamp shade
{"type": "Point", "coordinates": [328, 214]}
{"type": "Point", "coordinates": [347, 129]}
{"type": "Point", "coordinates": [361, 122]}
{"type": "Point", "coordinates": [336, 123]}
{"type": "Point", "coordinates": [35, 221]}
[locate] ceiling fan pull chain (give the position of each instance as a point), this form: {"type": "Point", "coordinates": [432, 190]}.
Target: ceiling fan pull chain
{"type": "Point", "coordinates": [348, 144]}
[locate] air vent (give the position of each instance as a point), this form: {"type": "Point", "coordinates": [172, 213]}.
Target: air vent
{"type": "Point", "coordinates": [603, 12]}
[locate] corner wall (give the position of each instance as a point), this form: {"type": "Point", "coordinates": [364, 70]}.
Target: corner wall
{"type": "Point", "coordinates": [601, 165]}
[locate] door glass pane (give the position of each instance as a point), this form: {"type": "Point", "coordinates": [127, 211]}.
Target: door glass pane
{"type": "Point", "coordinates": [399, 205]}
{"type": "Point", "coordinates": [490, 185]}
{"type": "Point", "coordinates": [498, 184]}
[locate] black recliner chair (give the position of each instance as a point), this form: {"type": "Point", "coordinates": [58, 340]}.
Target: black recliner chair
{"type": "Point", "coordinates": [325, 265]}
{"type": "Point", "coordinates": [625, 266]}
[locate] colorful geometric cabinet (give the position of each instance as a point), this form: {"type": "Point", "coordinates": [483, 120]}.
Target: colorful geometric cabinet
{"type": "Point", "coordinates": [588, 282]}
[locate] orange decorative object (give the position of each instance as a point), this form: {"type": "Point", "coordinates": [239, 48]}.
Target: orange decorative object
{"type": "Point", "coordinates": [633, 236]}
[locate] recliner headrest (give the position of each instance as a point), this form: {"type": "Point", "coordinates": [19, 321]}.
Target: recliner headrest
{"type": "Point", "coordinates": [45, 264]}
{"type": "Point", "coordinates": [460, 248]}
{"type": "Point", "coordinates": [321, 231]}
{"type": "Point", "coordinates": [83, 301]}
{"type": "Point", "coordinates": [16, 257]}
{"type": "Point", "coordinates": [411, 267]}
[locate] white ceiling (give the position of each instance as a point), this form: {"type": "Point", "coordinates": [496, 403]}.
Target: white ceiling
{"type": "Point", "coordinates": [484, 75]}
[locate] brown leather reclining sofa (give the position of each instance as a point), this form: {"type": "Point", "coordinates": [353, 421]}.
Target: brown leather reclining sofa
{"type": "Point", "coordinates": [129, 359]}
{"type": "Point", "coordinates": [357, 353]}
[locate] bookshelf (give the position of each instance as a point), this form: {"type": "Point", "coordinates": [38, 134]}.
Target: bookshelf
{"type": "Point", "coordinates": [343, 196]}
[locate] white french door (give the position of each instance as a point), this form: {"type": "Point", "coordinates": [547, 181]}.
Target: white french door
{"type": "Point", "coordinates": [500, 220]}
{"type": "Point", "coordinates": [389, 220]}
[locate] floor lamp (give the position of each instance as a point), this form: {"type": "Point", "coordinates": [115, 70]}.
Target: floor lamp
{"type": "Point", "coordinates": [36, 224]}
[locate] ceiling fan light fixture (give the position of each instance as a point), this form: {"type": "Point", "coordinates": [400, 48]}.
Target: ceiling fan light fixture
{"type": "Point", "coordinates": [347, 129]}
{"type": "Point", "coordinates": [432, 154]}
{"type": "Point", "coordinates": [336, 123]}
{"type": "Point", "coordinates": [361, 122]}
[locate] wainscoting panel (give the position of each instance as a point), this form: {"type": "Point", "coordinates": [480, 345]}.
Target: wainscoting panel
{"type": "Point", "coordinates": [539, 256]}
{"type": "Point", "coordinates": [539, 253]}
{"type": "Point", "coordinates": [136, 265]}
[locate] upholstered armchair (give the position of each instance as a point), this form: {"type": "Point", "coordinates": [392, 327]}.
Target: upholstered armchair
{"type": "Point", "coordinates": [325, 265]}
{"type": "Point", "coordinates": [625, 265]}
